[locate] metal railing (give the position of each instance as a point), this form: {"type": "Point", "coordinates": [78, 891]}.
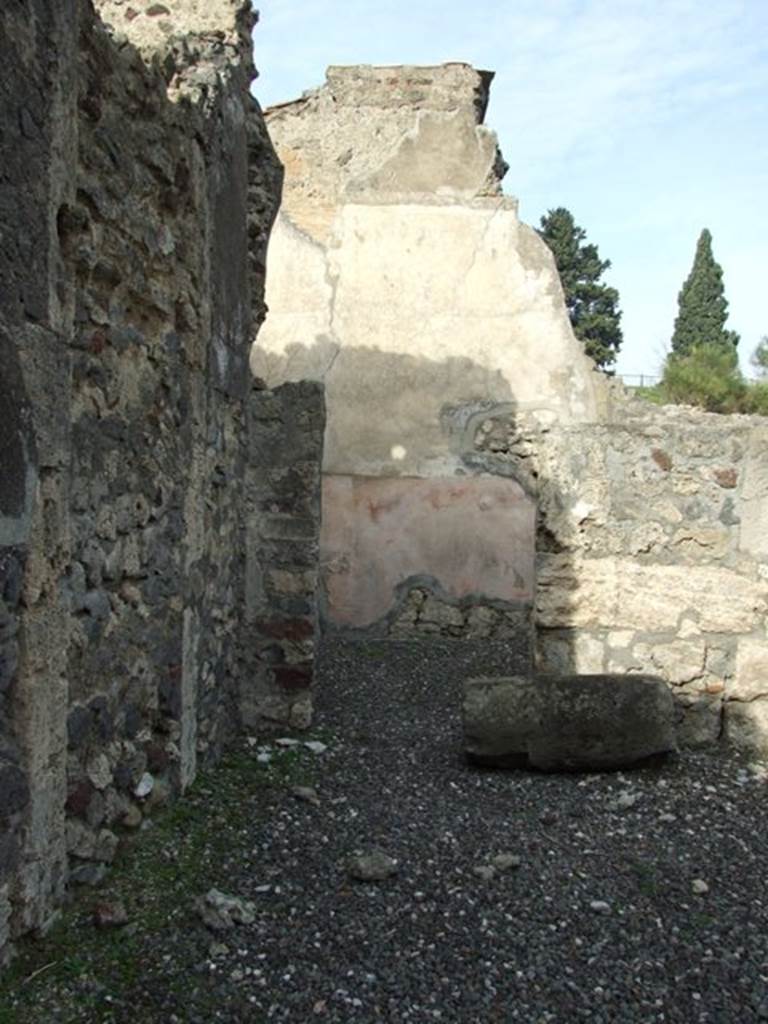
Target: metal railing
{"type": "Point", "coordinates": [639, 380]}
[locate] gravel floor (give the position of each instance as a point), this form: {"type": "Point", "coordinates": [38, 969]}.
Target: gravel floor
{"type": "Point", "coordinates": [637, 897]}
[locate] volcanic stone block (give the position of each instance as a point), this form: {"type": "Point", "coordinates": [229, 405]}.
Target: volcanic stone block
{"type": "Point", "coordinates": [568, 723]}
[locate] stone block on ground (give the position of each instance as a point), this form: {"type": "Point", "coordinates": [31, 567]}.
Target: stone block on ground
{"type": "Point", "coordinates": [568, 723]}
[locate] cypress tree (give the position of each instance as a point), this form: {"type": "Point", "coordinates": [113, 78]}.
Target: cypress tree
{"type": "Point", "coordinates": [702, 306]}
{"type": "Point", "coordinates": [593, 307]}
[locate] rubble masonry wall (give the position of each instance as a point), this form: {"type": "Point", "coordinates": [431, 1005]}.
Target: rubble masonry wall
{"type": "Point", "coordinates": [137, 195]}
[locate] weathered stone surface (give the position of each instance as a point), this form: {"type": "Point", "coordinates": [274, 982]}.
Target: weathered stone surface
{"type": "Point", "coordinates": [282, 544]}
{"type": "Point", "coordinates": [751, 678]}
{"type": "Point", "coordinates": [678, 662]}
{"type": "Point", "coordinates": [5, 925]}
{"type": "Point", "coordinates": [99, 771]}
{"type": "Point", "coordinates": [499, 717]}
{"type": "Point", "coordinates": [265, 185]}
{"type": "Point", "coordinates": [88, 873]}
{"type": "Point", "coordinates": [85, 844]}
{"type": "Point", "coordinates": [752, 506]}
{"type": "Point", "coordinates": [370, 130]}
{"type": "Point", "coordinates": [622, 594]}
{"type": "Point", "coordinates": [746, 725]}
{"type": "Point", "coordinates": [372, 866]}
{"type": "Point", "coordinates": [649, 520]}
{"type": "Point", "coordinates": [14, 789]}
{"type": "Point", "coordinates": [567, 723]}
{"type": "Point", "coordinates": [125, 441]}
{"type": "Point", "coordinates": [657, 550]}
{"type": "Point", "coordinates": [699, 719]}
{"type": "Point", "coordinates": [151, 507]}
{"type": "Point", "coordinates": [38, 95]}
{"type": "Point", "coordinates": [222, 912]}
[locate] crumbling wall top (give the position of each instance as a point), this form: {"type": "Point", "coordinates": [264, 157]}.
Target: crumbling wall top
{"type": "Point", "coordinates": [148, 24]}
{"type": "Point", "coordinates": [447, 87]}
{"type": "Point", "coordinates": [185, 35]}
{"type": "Point", "coordinates": [372, 132]}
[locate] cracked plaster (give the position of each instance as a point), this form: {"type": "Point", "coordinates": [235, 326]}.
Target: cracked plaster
{"type": "Point", "coordinates": [405, 288]}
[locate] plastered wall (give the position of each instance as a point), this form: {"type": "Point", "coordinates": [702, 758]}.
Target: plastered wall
{"type": "Point", "coordinates": [402, 279]}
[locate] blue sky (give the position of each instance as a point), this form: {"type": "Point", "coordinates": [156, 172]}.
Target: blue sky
{"type": "Point", "coordinates": [648, 120]}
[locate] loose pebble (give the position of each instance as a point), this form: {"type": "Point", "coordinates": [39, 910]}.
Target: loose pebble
{"type": "Point", "coordinates": [144, 786]}
{"type": "Point", "coordinates": [372, 866]}
{"type": "Point", "coordinates": [306, 793]}
{"type": "Point", "coordinates": [110, 915]}
{"type": "Point", "coordinates": [315, 746]}
{"type": "Point", "coordinates": [221, 912]}
{"type": "Point", "coordinates": [506, 862]}
{"type": "Point", "coordinates": [600, 906]}
{"type": "Point", "coordinates": [625, 800]}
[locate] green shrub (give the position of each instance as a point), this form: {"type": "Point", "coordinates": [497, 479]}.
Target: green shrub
{"type": "Point", "coordinates": [653, 394]}
{"type": "Point", "coordinates": [759, 358]}
{"type": "Point", "coordinates": [707, 376]}
{"type": "Point", "coordinates": [756, 398]}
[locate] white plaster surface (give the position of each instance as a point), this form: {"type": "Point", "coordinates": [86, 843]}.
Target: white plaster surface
{"type": "Point", "coordinates": [412, 307]}
{"type": "Point", "coordinates": [401, 276]}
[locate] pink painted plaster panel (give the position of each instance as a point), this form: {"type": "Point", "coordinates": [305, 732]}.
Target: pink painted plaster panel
{"type": "Point", "coordinates": [475, 535]}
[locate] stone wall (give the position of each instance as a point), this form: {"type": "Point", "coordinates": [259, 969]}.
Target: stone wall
{"type": "Point", "coordinates": [138, 191]}
{"type": "Point", "coordinates": [651, 556]}
{"type": "Point", "coordinates": [651, 553]}
{"type": "Point", "coordinates": [38, 89]}
{"type": "Point", "coordinates": [282, 541]}
{"type": "Point", "coordinates": [401, 276]}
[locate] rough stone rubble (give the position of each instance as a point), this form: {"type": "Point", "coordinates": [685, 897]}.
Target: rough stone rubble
{"type": "Point", "coordinates": [139, 187]}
